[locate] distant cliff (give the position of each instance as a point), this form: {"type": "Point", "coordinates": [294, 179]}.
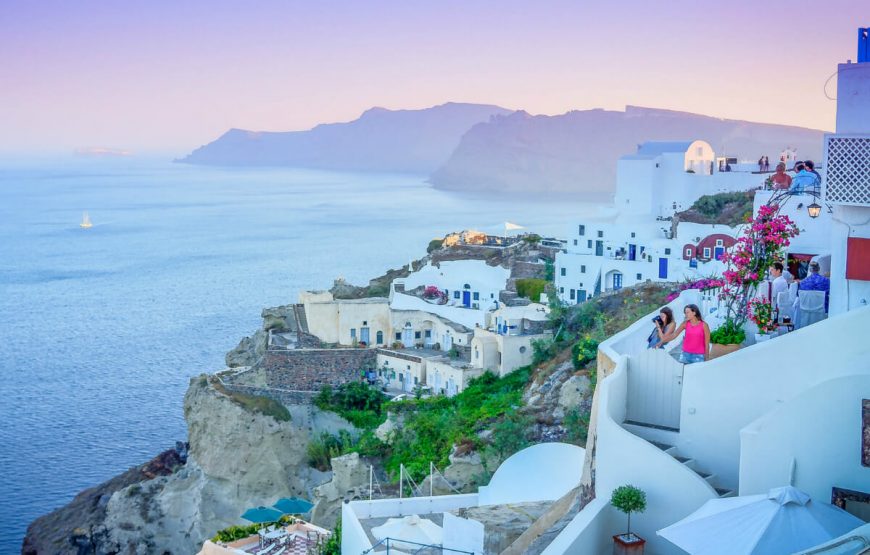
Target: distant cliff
{"type": "Point", "coordinates": [577, 152]}
{"type": "Point", "coordinates": [380, 140]}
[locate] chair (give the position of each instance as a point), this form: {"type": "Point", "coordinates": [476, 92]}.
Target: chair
{"type": "Point", "coordinates": [267, 549]}
{"type": "Point", "coordinates": [811, 306]}
{"type": "Point", "coordinates": [785, 305]}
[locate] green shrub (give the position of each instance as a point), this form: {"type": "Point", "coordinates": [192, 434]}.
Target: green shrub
{"type": "Point", "coordinates": [322, 449]}
{"type": "Point", "coordinates": [332, 546]}
{"type": "Point", "coordinates": [256, 403]}
{"type": "Point", "coordinates": [434, 245]}
{"type": "Point", "coordinates": [532, 238]}
{"type": "Point", "coordinates": [729, 333]}
{"type": "Point", "coordinates": [531, 288]}
{"type": "Point", "coordinates": [584, 351]}
{"type": "Point", "coordinates": [234, 533]}
{"type": "Point", "coordinates": [576, 426]}
{"type": "Point", "coordinates": [358, 402]}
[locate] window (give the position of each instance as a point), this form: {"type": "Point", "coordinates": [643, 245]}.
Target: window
{"type": "Point", "coordinates": [688, 252]}
{"type": "Point", "coordinates": [428, 334]}
{"type": "Point", "coordinates": [589, 244]}
{"type": "Point", "coordinates": [415, 380]}
{"type": "Point", "coordinates": [572, 294]}
{"type": "Point", "coordinates": [720, 243]}
{"type": "Point", "coordinates": [561, 271]}
{"type": "Point", "coordinates": [582, 268]}
{"type": "Point", "coordinates": [492, 295]}
{"type": "Point", "coordinates": [523, 349]}
{"type": "Point", "coordinates": [706, 252]}
{"type": "Point", "coordinates": [600, 233]}
{"type": "Point", "coordinates": [380, 338]}
{"type": "Point", "coordinates": [417, 335]}
{"type": "Point", "coordinates": [639, 277]}
{"type": "Point", "coordinates": [365, 323]}
{"type": "Point", "coordinates": [353, 333]}
{"type": "Point", "coordinates": [632, 235]}
{"type": "Point", "coordinates": [581, 230]}
{"type": "Point", "coordinates": [575, 242]}
{"type": "Point", "coordinates": [699, 151]}
{"type": "Point", "coordinates": [456, 294]}
{"type": "Point", "coordinates": [562, 290]}
{"type": "Point", "coordinates": [401, 377]}
{"type": "Point", "coordinates": [398, 336]}
{"type": "Point", "coordinates": [475, 296]}
{"type": "Point", "coordinates": [667, 252]}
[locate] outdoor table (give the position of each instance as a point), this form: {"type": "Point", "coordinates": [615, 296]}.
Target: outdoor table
{"type": "Point", "coordinates": [279, 533]}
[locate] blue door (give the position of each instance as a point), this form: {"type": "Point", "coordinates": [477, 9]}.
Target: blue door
{"type": "Point", "coordinates": [663, 268]}
{"type": "Point", "coordinates": [617, 281]}
{"type": "Point", "coordinates": [466, 299]}
{"type": "Point", "coordinates": [581, 295]}
{"type": "Point", "coordinates": [718, 252]}
{"type": "Point", "coordinates": [632, 252]}
{"type": "Point", "coordinates": [364, 335]}
{"type": "Point", "coordinates": [599, 248]}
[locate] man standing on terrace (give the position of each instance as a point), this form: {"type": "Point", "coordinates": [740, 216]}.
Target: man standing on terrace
{"type": "Point", "coordinates": [816, 282]}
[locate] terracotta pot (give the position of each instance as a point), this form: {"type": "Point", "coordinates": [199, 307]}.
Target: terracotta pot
{"type": "Point", "coordinates": [718, 350]}
{"type": "Point", "coordinates": [622, 546]}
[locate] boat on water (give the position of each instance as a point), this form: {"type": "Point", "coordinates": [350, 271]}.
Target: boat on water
{"type": "Point", "coordinates": [86, 221]}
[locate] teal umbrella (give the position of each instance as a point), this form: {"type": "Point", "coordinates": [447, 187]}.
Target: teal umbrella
{"type": "Point", "coordinates": [259, 515]}
{"type": "Point", "coordinates": [293, 505]}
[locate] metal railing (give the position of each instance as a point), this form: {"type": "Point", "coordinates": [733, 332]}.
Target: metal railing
{"type": "Point", "coordinates": [420, 547]}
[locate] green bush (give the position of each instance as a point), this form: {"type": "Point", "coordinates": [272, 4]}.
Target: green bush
{"type": "Point", "coordinates": [576, 426]}
{"type": "Point", "coordinates": [532, 238]}
{"type": "Point", "coordinates": [434, 245]}
{"type": "Point", "coordinates": [234, 533]}
{"type": "Point", "coordinates": [584, 351]}
{"type": "Point", "coordinates": [358, 402]}
{"type": "Point", "coordinates": [332, 546]}
{"type": "Point", "coordinates": [531, 288]}
{"type": "Point", "coordinates": [322, 449]}
{"type": "Point", "coordinates": [729, 333]}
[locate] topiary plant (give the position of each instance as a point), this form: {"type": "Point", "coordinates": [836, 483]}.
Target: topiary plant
{"type": "Point", "coordinates": [628, 499]}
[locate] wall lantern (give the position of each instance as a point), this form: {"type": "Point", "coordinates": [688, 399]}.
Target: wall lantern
{"type": "Point", "coordinates": [814, 210]}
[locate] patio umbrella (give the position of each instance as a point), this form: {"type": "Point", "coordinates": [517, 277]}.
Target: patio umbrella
{"type": "Point", "coordinates": [411, 528]}
{"type": "Point", "coordinates": [293, 505]}
{"type": "Point", "coordinates": [260, 515]}
{"type": "Point", "coordinates": [784, 520]}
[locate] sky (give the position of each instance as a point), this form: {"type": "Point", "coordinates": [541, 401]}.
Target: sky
{"type": "Point", "coordinates": [160, 76]}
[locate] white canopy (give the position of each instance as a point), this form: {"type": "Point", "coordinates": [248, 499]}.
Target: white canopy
{"type": "Point", "coordinates": [784, 520]}
{"type": "Point", "coordinates": [411, 528]}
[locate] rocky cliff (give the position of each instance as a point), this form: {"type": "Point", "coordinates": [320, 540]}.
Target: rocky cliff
{"type": "Point", "coordinates": [237, 459]}
{"type": "Point", "coordinates": [380, 140]}
{"type": "Point", "coordinates": [577, 152]}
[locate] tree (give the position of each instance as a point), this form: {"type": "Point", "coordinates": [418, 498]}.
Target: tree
{"type": "Point", "coordinates": [629, 499]}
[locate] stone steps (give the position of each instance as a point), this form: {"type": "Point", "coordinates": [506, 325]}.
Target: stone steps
{"type": "Point", "coordinates": [692, 465]}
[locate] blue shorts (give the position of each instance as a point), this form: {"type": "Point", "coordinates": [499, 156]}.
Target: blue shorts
{"type": "Point", "coordinates": [691, 358]}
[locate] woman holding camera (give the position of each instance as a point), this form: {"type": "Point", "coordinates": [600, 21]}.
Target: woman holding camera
{"type": "Point", "coordinates": [664, 325]}
{"type": "Point", "coordinates": [696, 343]}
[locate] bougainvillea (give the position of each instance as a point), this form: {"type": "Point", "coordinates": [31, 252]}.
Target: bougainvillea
{"type": "Point", "coordinates": [762, 243]}
{"type": "Point", "coordinates": [702, 284]}
{"type": "Point", "coordinates": [761, 313]}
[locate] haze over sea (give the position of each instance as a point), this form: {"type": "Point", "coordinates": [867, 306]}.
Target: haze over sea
{"type": "Point", "coordinates": [101, 329]}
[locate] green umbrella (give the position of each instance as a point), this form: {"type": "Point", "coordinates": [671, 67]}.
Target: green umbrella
{"type": "Point", "coordinates": [293, 505]}
{"type": "Point", "coordinates": [259, 515]}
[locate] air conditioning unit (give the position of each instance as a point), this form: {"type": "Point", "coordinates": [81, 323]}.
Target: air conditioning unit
{"type": "Point", "coordinates": [847, 169]}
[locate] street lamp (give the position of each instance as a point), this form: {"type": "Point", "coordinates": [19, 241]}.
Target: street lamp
{"type": "Point", "coordinates": [814, 210]}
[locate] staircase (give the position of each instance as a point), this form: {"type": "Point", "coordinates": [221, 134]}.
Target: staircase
{"type": "Point", "coordinates": [693, 465]}
{"type": "Point", "coordinates": [301, 319]}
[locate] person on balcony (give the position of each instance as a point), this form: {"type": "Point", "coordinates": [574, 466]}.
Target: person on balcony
{"type": "Point", "coordinates": [665, 324]}
{"type": "Point", "coordinates": [780, 179]}
{"type": "Point", "coordinates": [804, 181]}
{"type": "Point", "coordinates": [696, 343]}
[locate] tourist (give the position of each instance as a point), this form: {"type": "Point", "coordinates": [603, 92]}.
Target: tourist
{"type": "Point", "coordinates": [780, 283]}
{"type": "Point", "coordinates": [816, 282]}
{"type": "Point", "coordinates": [761, 164]}
{"type": "Point", "coordinates": [780, 179]}
{"type": "Point", "coordinates": [696, 343]}
{"type": "Point", "coordinates": [766, 164]}
{"type": "Point", "coordinates": [804, 181]}
{"type": "Point", "coordinates": [665, 325]}
{"type": "Point", "coordinates": [811, 167]}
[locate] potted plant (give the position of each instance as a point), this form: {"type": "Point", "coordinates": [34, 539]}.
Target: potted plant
{"type": "Point", "coordinates": [727, 338]}
{"type": "Point", "coordinates": [761, 313]}
{"type": "Point", "coordinates": [628, 499]}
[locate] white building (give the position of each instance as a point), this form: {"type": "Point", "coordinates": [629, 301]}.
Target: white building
{"type": "Point", "coordinates": [609, 254]}
{"type": "Point", "coordinates": [663, 178]}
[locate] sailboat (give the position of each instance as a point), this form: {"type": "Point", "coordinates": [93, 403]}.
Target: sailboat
{"type": "Point", "coordinates": [86, 221]}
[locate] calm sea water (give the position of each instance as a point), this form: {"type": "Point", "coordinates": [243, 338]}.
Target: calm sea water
{"type": "Point", "coordinates": [101, 329]}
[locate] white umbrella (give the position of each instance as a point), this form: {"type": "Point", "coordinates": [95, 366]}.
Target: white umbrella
{"type": "Point", "coordinates": [411, 528]}
{"type": "Point", "coordinates": [784, 520]}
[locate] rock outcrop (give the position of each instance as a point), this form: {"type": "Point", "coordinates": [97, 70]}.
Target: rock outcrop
{"type": "Point", "coordinates": [350, 480]}
{"type": "Point", "coordinates": [248, 351]}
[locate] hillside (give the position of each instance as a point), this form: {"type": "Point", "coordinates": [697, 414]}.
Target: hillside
{"type": "Point", "coordinates": [379, 140]}
{"type": "Point", "coordinates": [577, 152]}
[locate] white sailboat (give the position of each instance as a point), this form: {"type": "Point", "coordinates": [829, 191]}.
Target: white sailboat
{"type": "Point", "coordinates": [86, 221]}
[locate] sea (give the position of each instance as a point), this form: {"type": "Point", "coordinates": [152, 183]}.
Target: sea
{"type": "Point", "coordinates": [101, 329]}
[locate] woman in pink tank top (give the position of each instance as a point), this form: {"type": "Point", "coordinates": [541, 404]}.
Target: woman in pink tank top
{"type": "Point", "coordinates": [696, 343]}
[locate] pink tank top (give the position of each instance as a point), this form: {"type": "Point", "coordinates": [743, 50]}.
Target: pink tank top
{"type": "Point", "coordinates": [694, 342]}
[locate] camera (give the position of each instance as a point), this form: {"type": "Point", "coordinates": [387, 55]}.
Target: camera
{"type": "Point", "coordinates": [658, 320]}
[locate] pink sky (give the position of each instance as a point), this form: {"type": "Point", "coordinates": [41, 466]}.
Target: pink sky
{"type": "Point", "coordinates": [169, 76]}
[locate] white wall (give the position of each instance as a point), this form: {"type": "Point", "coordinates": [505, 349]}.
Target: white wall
{"type": "Point", "coordinates": [848, 221]}
{"type": "Point", "coordinates": [589, 531]}
{"type": "Point", "coordinates": [815, 233]}
{"type": "Point", "coordinates": [853, 92]}
{"type": "Point", "coordinates": [820, 430]}
{"type": "Point", "coordinates": [542, 472]}
{"type": "Point", "coordinates": [465, 316]}
{"type": "Point", "coordinates": [722, 396]}
{"type": "Point", "coordinates": [485, 280]}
